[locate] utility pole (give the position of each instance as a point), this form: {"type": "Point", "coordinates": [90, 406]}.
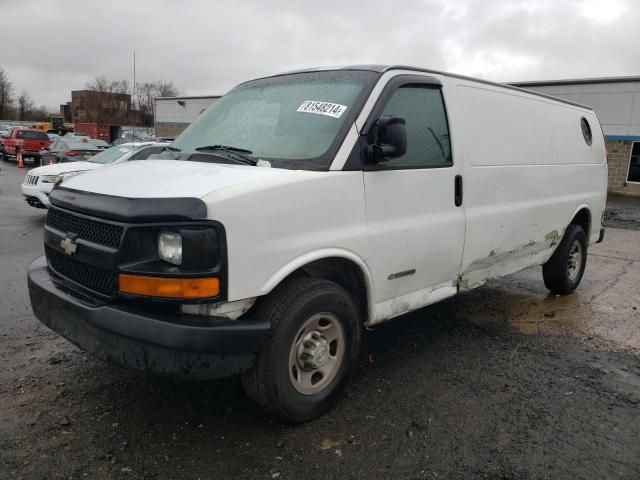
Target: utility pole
{"type": "Point", "coordinates": [134, 95]}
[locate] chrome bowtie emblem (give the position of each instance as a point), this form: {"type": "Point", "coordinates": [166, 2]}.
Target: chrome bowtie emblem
{"type": "Point", "coordinates": [69, 246]}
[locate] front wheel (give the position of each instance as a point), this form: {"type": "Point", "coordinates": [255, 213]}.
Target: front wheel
{"type": "Point", "coordinates": [313, 349]}
{"type": "Point", "coordinates": [563, 271]}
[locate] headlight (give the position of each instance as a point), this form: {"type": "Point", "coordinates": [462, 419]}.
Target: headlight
{"type": "Point", "coordinates": [49, 178]}
{"type": "Point", "coordinates": [170, 247]}
{"type": "Point", "coordinates": [60, 177]}
{"type": "Point", "coordinates": [65, 175]}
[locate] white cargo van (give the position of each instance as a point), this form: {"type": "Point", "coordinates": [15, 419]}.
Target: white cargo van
{"type": "Point", "coordinates": [300, 208]}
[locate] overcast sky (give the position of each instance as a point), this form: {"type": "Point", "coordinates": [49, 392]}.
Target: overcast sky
{"type": "Point", "coordinates": [206, 47]}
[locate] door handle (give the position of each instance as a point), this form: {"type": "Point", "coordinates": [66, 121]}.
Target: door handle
{"type": "Point", "coordinates": [457, 195]}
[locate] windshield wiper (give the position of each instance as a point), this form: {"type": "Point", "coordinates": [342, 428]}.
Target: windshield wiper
{"type": "Point", "coordinates": [172, 149]}
{"type": "Point", "coordinates": [236, 151]}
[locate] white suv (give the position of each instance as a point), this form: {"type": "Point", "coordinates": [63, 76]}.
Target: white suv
{"type": "Point", "coordinates": [39, 182]}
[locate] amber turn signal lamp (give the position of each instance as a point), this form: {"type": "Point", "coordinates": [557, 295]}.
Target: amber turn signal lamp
{"type": "Point", "coordinates": [169, 287]}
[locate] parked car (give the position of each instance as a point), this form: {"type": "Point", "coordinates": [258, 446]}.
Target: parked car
{"type": "Point", "coordinates": [4, 134]}
{"type": "Point", "coordinates": [39, 182]}
{"type": "Point", "coordinates": [128, 135]}
{"type": "Point", "coordinates": [68, 149]}
{"type": "Point", "coordinates": [101, 144]}
{"type": "Point", "coordinates": [76, 135]}
{"type": "Point", "coordinates": [307, 205]}
{"type": "Point", "coordinates": [27, 141]}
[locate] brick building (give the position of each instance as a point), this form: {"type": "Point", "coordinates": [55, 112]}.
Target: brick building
{"type": "Point", "coordinates": [88, 106]}
{"type": "Point", "coordinates": [616, 101]}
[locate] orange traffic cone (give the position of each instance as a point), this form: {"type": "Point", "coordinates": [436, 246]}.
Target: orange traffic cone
{"type": "Point", "coordinates": [20, 161]}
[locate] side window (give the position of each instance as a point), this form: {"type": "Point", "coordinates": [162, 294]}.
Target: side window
{"type": "Point", "coordinates": [428, 143]}
{"type": "Point", "coordinates": [146, 153]}
{"type": "Point", "coordinates": [634, 163]}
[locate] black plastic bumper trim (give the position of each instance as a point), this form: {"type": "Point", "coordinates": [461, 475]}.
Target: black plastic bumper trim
{"type": "Point", "coordinates": [202, 347]}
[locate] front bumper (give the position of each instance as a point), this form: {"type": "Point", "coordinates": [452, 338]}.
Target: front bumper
{"type": "Point", "coordinates": [36, 195]}
{"type": "Point", "coordinates": [165, 343]}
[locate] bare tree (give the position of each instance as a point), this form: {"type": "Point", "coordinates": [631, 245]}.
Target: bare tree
{"type": "Point", "coordinates": [166, 89]}
{"type": "Point", "coordinates": [25, 105]}
{"type": "Point", "coordinates": [6, 95]}
{"type": "Point", "coordinates": [38, 113]}
{"type": "Point", "coordinates": [121, 86]}
{"type": "Point", "coordinates": [99, 83]}
{"type": "Point", "coordinates": [147, 92]}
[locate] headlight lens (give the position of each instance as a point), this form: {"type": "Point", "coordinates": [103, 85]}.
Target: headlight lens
{"type": "Point", "coordinates": [66, 175]}
{"type": "Point", "coordinates": [170, 247]}
{"type": "Point", "coordinates": [60, 177]}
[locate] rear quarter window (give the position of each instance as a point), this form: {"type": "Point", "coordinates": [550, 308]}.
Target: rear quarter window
{"type": "Point", "coordinates": [31, 135]}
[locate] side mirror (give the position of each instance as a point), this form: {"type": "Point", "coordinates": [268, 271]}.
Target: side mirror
{"type": "Point", "coordinates": [391, 140]}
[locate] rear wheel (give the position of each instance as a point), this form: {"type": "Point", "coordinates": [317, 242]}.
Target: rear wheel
{"type": "Point", "coordinates": [563, 271]}
{"type": "Point", "coordinates": [313, 349]}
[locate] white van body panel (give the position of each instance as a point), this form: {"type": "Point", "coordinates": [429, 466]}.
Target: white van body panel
{"type": "Point", "coordinates": [166, 179]}
{"type": "Point", "coordinates": [274, 227]}
{"type": "Point", "coordinates": [528, 170]}
{"type": "Point", "coordinates": [276, 220]}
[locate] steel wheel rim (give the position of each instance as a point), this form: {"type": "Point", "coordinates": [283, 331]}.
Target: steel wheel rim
{"type": "Point", "coordinates": [316, 354]}
{"type": "Point", "coordinates": [574, 263]}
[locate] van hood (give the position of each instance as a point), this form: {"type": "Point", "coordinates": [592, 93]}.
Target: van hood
{"type": "Point", "coordinates": [170, 178]}
{"type": "Point", "coordinates": [58, 168]}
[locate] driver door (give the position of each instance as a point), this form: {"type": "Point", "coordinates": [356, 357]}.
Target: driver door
{"type": "Point", "coordinates": [415, 222]}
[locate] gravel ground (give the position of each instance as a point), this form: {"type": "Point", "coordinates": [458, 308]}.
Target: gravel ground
{"type": "Point", "coordinates": [505, 382]}
{"type": "Point", "coordinates": [622, 212]}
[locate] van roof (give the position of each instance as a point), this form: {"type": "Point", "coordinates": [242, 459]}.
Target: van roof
{"type": "Point", "coordinates": [385, 68]}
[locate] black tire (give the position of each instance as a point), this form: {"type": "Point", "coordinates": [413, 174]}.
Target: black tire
{"type": "Point", "coordinates": [557, 273]}
{"type": "Point", "coordinates": [288, 308]}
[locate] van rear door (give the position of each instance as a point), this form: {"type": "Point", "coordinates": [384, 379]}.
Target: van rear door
{"type": "Point", "coordinates": [416, 230]}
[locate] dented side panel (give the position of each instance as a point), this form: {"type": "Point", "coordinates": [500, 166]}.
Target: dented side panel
{"type": "Point", "coordinates": [528, 170]}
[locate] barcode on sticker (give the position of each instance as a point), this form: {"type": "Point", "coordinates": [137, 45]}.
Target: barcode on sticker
{"type": "Point", "coordinates": [334, 110]}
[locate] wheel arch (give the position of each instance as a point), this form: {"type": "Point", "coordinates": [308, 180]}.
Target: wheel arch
{"type": "Point", "coordinates": [340, 266]}
{"type": "Point", "coordinates": [582, 217]}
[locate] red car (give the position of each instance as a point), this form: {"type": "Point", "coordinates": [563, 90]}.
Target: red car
{"type": "Point", "coordinates": [28, 141]}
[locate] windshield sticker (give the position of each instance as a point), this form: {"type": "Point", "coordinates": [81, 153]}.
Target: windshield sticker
{"type": "Point", "coordinates": [334, 110]}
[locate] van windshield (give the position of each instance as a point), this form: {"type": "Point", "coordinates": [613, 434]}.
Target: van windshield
{"type": "Point", "coordinates": [293, 121]}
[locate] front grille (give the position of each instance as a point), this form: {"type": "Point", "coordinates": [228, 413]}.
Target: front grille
{"type": "Point", "coordinates": [97, 279]}
{"type": "Point", "coordinates": [31, 180]}
{"type": "Point", "coordinates": [90, 230]}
